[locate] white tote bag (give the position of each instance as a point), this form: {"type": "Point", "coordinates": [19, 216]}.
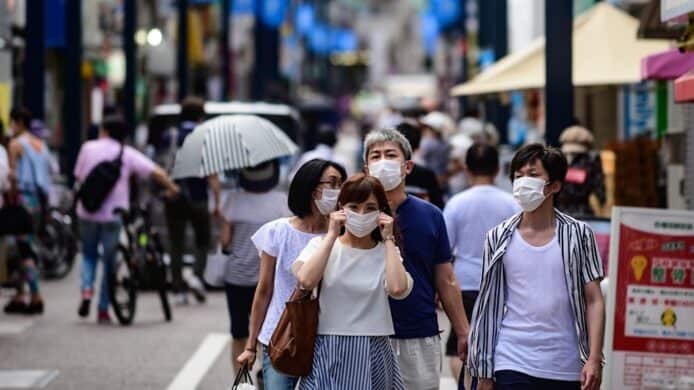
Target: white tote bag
{"type": "Point", "coordinates": [215, 268]}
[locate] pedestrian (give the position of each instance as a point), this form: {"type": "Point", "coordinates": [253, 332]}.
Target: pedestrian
{"type": "Point", "coordinates": [422, 181]}
{"type": "Point", "coordinates": [539, 318]}
{"type": "Point", "coordinates": [191, 207]}
{"type": "Point", "coordinates": [358, 266]}
{"type": "Point", "coordinates": [584, 176]}
{"type": "Point", "coordinates": [30, 180]}
{"type": "Point", "coordinates": [313, 195]}
{"type": "Point", "coordinates": [102, 227]}
{"type": "Point", "coordinates": [434, 149]}
{"type": "Point", "coordinates": [326, 138]}
{"type": "Point", "coordinates": [469, 215]}
{"type": "Point", "coordinates": [427, 258]}
{"type": "Point", "coordinates": [244, 212]}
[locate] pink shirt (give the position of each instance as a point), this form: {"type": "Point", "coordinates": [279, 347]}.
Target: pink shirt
{"type": "Point", "coordinates": [134, 162]}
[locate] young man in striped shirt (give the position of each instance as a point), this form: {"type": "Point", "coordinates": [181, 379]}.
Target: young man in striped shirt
{"type": "Point", "coordinates": [539, 318]}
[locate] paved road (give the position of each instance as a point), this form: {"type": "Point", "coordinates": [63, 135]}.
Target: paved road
{"type": "Point", "coordinates": [190, 352]}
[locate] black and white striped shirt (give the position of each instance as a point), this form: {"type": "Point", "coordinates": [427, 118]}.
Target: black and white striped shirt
{"type": "Point", "coordinates": [582, 265]}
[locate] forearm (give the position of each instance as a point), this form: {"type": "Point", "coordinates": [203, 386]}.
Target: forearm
{"type": "Point", "coordinates": [261, 301]}
{"type": "Point", "coordinates": [215, 186]}
{"type": "Point", "coordinates": [159, 176]}
{"type": "Point", "coordinates": [225, 235]}
{"type": "Point", "coordinates": [310, 272]}
{"type": "Point", "coordinates": [449, 293]}
{"type": "Point", "coordinates": [396, 276]}
{"type": "Point", "coordinates": [595, 314]}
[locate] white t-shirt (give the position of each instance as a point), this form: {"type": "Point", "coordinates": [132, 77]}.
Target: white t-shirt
{"type": "Point", "coordinates": [469, 216]}
{"type": "Point", "coordinates": [283, 241]}
{"type": "Point", "coordinates": [537, 335]}
{"type": "Point", "coordinates": [353, 297]}
{"type": "Point", "coordinates": [247, 212]}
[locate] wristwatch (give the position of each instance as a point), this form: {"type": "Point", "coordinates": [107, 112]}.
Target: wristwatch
{"type": "Point", "coordinates": [389, 238]}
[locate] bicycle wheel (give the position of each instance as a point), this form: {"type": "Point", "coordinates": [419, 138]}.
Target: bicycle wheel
{"type": "Point", "coordinates": [56, 248]}
{"type": "Point", "coordinates": [122, 287]}
{"type": "Point", "coordinates": [157, 269]}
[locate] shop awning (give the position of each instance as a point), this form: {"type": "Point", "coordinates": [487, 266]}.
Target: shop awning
{"type": "Point", "coordinates": [684, 88]}
{"type": "Point", "coordinates": [667, 65]}
{"type": "Point", "coordinates": [605, 51]}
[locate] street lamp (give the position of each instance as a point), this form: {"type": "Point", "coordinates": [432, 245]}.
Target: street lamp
{"type": "Point", "coordinates": [154, 37]}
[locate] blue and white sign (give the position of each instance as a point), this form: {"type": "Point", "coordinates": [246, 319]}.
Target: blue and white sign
{"type": "Point", "coordinates": [639, 109]}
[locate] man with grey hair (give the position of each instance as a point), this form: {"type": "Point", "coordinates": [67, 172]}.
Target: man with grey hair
{"type": "Point", "coordinates": [427, 257]}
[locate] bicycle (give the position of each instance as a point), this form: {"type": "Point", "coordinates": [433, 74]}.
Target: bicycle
{"type": "Point", "coordinates": [56, 245]}
{"type": "Point", "coordinates": [138, 262]}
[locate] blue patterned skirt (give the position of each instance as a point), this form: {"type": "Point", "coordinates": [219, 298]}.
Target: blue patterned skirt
{"type": "Point", "coordinates": [353, 362]}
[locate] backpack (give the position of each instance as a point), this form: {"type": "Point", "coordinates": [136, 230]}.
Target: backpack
{"type": "Point", "coordinates": [99, 183]}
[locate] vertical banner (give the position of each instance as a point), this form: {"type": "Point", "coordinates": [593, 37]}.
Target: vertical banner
{"type": "Point", "coordinates": [650, 310]}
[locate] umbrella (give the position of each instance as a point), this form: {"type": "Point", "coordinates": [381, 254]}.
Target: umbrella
{"type": "Point", "coordinates": [230, 142]}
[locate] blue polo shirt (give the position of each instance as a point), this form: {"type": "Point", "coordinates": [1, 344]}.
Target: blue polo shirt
{"type": "Point", "coordinates": [424, 246]}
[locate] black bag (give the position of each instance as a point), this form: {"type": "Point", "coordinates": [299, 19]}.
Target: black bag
{"type": "Point", "coordinates": [99, 183]}
{"type": "Point", "coordinates": [15, 220]}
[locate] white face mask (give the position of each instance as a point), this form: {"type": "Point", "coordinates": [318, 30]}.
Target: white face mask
{"type": "Point", "coordinates": [361, 225]}
{"type": "Point", "coordinates": [529, 192]}
{"type": "Point", "coordinates": [326, 204]}
{"type": "Point", "coordinates": [387, 172]}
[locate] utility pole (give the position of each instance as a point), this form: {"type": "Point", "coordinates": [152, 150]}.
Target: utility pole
{"type": "Point", "coordinates": [182, 52]}
{"type": "Point", "coordinates": [266, 68]}
{"type": "Point", "coordinates": [72, 115]}
{"type": "Point", "coordinates": [130, 62]}
{"type": "Point", "coordinates": [559, 92]}
{"type": "Point", "coordinates": [33, 67]}
{"type": "Point", "coordinates": [225, 49]}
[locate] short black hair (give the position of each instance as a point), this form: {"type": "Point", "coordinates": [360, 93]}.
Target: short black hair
{"type": "Point", "coordinates": [552, 159]}
{"type": "Point", "coordinates": [326, 136]}
{"type": "Point", "coordinates": [305, 181]}
{"type": "Point", "coordinates": [115, 127]}
{"type": "Point", "coordinates": [192, 109]}
{"type": "Point", "coordinates": [482, 159]}
{"type": "Point", "coordinates": [412, 132]}
{"type": "Point", "coordinates": [21, 115]}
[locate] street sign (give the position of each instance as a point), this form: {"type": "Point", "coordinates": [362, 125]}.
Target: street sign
{"type": "Point", "coordinates": [650, 309]}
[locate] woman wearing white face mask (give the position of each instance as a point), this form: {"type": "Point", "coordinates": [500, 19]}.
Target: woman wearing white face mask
{"type": "Point", "coordinates": [358, 266]}
{"type": "Point", "coordinates": [279, 242]}
{"type": "Point", "coordinates": [546, 330]}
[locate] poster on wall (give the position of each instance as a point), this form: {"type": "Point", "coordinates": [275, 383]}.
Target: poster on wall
{"type": "Point", "coordinates": [650, 309]}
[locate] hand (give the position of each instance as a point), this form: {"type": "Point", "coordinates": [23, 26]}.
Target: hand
{"type": "Point", "coordinates": [337, 220]}
{"type": "Point", "coordinates": [462, 347]}
{"type": "Point", "coordinates": [385, 222]}
{"type": "Point", "coordinates": [591, 375]}
{"type": "Point", "coordinates": [216, 213]}
{"type": "Point", "coordinates": [172, 192]}
{"type": "Point", "coordinates": [485, 384]}
{"type": "Point", "coordinates": [247, 358]}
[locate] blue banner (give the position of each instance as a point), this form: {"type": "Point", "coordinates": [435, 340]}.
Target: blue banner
{"type": "Point", "coordinates": [54, 23]}
{"type": "Point", "coordinates": [272, 12]}
{"type": "Point", "coordinates": [447, 11]}
{"type": "Point", "coordinates": [429, 29]}
{"type": "Point", "coordinates": [305, 18]}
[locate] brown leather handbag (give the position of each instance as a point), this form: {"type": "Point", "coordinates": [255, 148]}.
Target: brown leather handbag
{"type": "Point", "coordinates": [292, 342]}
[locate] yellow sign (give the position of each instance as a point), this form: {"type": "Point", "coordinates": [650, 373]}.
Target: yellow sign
{"type": "Point", "coordinates": [638, 265]}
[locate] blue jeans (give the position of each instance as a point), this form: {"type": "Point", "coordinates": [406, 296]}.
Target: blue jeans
{"type": "Point", "coordinates": [513, 380]}
{"type": "Point", "coordinates": [273, 379]}
{"type": "Point", "coordinates": [92, 235]}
